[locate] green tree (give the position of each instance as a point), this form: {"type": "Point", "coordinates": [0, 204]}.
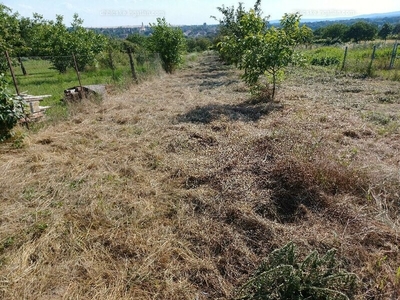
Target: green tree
{"type": "Point", "coordinates": [234, 45]}
{"type": "Point", "coordinates": [39, 36]}
{"type": "Point", "coordinates": [138, 39]}
{"type": "Point", "coordinates": [198, 44]}
{"type": "Point", "coordinates": [396, 30]}
{"type": "Point", "coordinates": [140, 43]}
{"type": "Point", "coordinates": [86, 44]}
{"type": "Point", "coordinates": [362, 31]}
{"type": "Point", "coordinates": [306, 35]}
{"type": "Point", "coordinates": [9, 34]}
{"type": "Point", "coordinates": [231, 29]}
{"type": "Point", "coordinates": [169, 42]}
{"type": "Point", "coordinates": [59, 45]}
{"type": "Point", "coordinates": [264, 53]}
{"type": "Point", "coordinates": [385, 31]}
{"type": "Point", "coordinates": [54, 39]}
{"type": "Point", "coordinates": [319, 32]}
{"type": "Point", "coordinates": [203, 44]}
{"type": "Point", "coordinates": [24, 49]}
{"type": "Point", "coordinates": [268, 54]}
{"type": "Point", "coordinates": [9, 29]}
{"type": "Point", "coordinates": [335, 33]}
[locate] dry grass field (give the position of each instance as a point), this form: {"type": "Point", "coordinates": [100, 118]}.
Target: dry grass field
{"type": "Point", "coordinates": [179, 187]}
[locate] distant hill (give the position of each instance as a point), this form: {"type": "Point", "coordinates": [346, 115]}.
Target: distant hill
{"type": "Point", "coordinates": [380, 15]}
{"type": "Point", "coordinates": [377, 19]}
{"type": "Point", "coordinates": [211, 30]}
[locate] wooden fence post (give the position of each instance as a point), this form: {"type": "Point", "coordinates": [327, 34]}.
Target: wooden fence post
{"type": "Point", "coordinates": [12, 72]}
{"type": "Point", "coordinates": [394, 55]}
{"type": "Point", "coordinates": [81, 92]}
{"type": "Point", "coordinates": [369, 70]}
{"type": "Point", "coordinates": [112, 65]}
{"type": "Point", "coordinates": [131, 62]}
{"type": "Point", "coordinates": [344, 58]}
{"type": "Point", "coordinates": [22, 66]}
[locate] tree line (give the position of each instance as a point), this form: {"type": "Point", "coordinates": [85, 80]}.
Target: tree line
{"type": "Point", "coordinates": [53, 40]}
{"type": "Point", "coordinates": [36, 36]}
{"type": "Point", "coordinates": [73, 46]}
{"type": "Point", "coordinates": [359, 31]}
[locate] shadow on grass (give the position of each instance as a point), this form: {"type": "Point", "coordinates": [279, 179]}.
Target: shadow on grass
{"type": "Point", "coordinates": [247, 112]}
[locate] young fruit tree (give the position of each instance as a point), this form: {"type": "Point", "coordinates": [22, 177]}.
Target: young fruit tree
{"type": "Point", "coordinates": [169, 42]}
{"type": "Point", "coordinates": [231, 29]}
{"type": "Point", "coordinates": [264, 52]}
{"type": "Point", "coordinates": [270, 52]}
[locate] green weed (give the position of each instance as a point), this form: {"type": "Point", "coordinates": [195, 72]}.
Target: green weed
{"type": "Point", "coordinates": [284, 276]}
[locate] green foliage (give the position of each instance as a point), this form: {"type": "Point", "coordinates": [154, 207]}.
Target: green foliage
{"type": "Point", "coordinates": [54, 39]}
{"type": "Point", "coordinates": [232, 30]}
{"type": "Point", "coordinates": [140, 45]}
{"type": "Point", "coordinates": [234, 46]}
{"type": "Point", "coordinates": [59, 46]}
{"type": "Point", "coordinates": [9, 29]}
{"type": "Point", "coordinates": [169, 42]}
{"type": "Point", "coordinates": [324, 56]}
{"type": "Point", "coordinates": [335, 33]}
{"type": "Point", "coordinates": [39, 35]}
{"type": "Point", "coordinates": [358, 59]}
{"type": "Point", "coordinates": [11, 110]}
{"type": "Point", "coordinates": [362, 31]}
{"type": "Point", "coordinates": [137, 39]}
{"type": "Point", "coordinates": [325, 61]}
{"type": "Point", "coordinates": [86, 44]}
{"type": "Point", "coordinates": [385, 31]}
{"type": "Point", "coordinates": [10, 38]}
{"type": "Point", "coordinates": [263, 53]}
{"type": "Point", "coordinates": [306, 35]}
{"type": "Point", "coordinates": [198, 44]}
{"type": "Point", "coordinates": [283, 276]}
{"type": "Point", "coordinates": [396, 30]}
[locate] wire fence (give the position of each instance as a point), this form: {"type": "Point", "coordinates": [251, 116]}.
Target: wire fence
{"type": "Point", "coordinates": [38, 75]}
{"type": "Point", "coordinates": [367, 59]}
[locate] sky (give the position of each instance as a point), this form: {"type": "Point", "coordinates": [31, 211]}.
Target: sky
{"type": "Point", "coordinates": [112, 13]}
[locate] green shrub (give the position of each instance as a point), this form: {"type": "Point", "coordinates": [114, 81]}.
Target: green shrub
{"type": "Point", "coordinates": [325, 61]}
{"type": "Point", "coordinates": [282, 276]}
{"type": "Point", "coordinates": [325, 56]}
{"type": "Point", "coordinates": [11, 110]}
{"type": "Point", "coordinates": [169, 42]}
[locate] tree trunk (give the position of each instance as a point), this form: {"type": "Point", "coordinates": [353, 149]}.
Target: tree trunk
{"type": "Point", "coordinates": [134, 76]}
{"type": "Point", "coordinates": [273, 85]}
{"type": "Point", "coordinates": [22, 66]}
{"type": "Point", "coordinates": [111, 62]}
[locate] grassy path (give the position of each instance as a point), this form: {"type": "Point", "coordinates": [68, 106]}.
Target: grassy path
{"type": "Point", "coordinates": [179, 187]}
